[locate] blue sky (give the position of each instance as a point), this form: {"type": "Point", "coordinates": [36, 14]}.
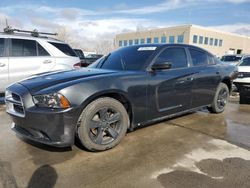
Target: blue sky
{"type": "Point", "coordinates": [96, 21]}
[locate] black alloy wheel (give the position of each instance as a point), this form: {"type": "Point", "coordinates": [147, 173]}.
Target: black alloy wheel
{"type": "Point", "coordinates": [102, 124]}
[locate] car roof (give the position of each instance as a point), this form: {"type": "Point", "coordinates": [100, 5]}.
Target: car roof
{"type": "Point", "coordinates": [161, 46]}
{"type": "Point", "coordinates": [28, 36]}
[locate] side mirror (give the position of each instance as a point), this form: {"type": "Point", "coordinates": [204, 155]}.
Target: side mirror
{"type": "Point", "coordinates": [161, 66]}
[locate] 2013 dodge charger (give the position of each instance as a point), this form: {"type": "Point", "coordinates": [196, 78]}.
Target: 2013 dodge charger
{"type": "Point", "coordinates": [130, 87]}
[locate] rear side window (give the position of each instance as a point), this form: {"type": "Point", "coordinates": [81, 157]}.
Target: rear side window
{"type": "Point", "coordinates": [21, 47]}
{"type": "Point", "coordinates": [199, 58]}
{"type": "Point", "coordinates": [245, 62]}
{"type": "Point", "coordinates": [41, 51]}
{"type": "Point", "coordinates": [66, 49]}
{"type": "Point", "coordinates": [1, 47]}
{"type": "Point", "coordinates": [176, 56]}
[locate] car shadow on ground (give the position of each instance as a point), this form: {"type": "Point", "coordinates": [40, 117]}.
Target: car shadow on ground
{"type": "Point", "coordinates": [230, 172]}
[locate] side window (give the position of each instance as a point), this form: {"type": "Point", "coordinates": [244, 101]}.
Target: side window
{"type": "Point", "coordinates": [21, 47]}
{"type": "Point", "coordinates": [66, 49]}
{"type": "Point", "coordinates": [1, 47]}
{"type": "Point", "coordinates": [42, 51]}
{"type": "Point", "coordinates": [177, 56]}
{"type": "Point", "coordinates": [113, 62]}
{"type": "Point", "coordinates": [199, 58]}
{"type": "Point", "coordinates": [211, 60]}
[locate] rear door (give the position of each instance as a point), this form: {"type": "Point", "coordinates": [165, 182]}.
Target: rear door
{"type": "Point", "coordinates": [28, 57]}
{"type": "Point", "coordinates": [170, 90]}
{"type": "Point", "coordinates": [4, 65]}
{"type": "Point", "coordinates": [206, 78]}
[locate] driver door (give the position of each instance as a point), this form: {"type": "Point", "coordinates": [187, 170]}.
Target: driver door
{"type": "Point", "coordinates": [170, 89]}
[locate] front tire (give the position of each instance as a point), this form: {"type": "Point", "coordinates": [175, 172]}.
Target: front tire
{"type": "Point", "coordinates": [103, 123]}
{"type": "Point", "coordinates": [220, 99]}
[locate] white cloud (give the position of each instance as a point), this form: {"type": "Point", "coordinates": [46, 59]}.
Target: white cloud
{"type": "Point", "coordinates": [238, 28]}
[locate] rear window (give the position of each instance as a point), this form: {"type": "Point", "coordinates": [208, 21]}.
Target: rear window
{"type": "Point", "coordinates": [66, 49]}
{"type": "Point", "coordinates": [230, 58]}
{"type": "Point", "coordinates": [199, 58]}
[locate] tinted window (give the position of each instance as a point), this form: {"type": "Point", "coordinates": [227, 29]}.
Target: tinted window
{"type": "Point", "coordinates": [130, 42]}
{"type": "Point", "coordinates": [171, 39]}
{"type": "Point", "coordinates": [195, 38]}
{"type": "Point", "coordinates": [206, 40]}
{"type": "Point", "coordinates": [245, 62]}
{"type": "Point", "coordinates": [148, 40]}
{"type": "Point", "coordinates": [64, 48]}
{"type": "Point", "coordinates": [156, 40]}
{"type": "Point", "coordinates": [176, 56]}
{"type": "Point", "coordinates": [198, 57]}
{"type": "Point", "coordinates": [120, 43]}
{"type": "Point", "coordinates": [180, 39]}
{"type": "Point", "coordinates": [133, 58]}
{"type": "Point", "coordinates": [200, 39]}
{"type": "Point", "coordinates": [1, 47]}
{"type": "Point", "coordinates": [125, 42]}
{"type": "Point", "coordinates": [136, 41]}
{"type": "Point", "coordinates": [41, 51]}
{"type": "Point", "coordinates": [230, 58]}
{"type": "Point", "coordinates": [216, 42]}
{"type": "Point", "coordinates": [22, 47]}
{"type": "Point", "coordinates": [142, 41]}
{"type": "Point", "coordinates": [211, 41]}
{"type": "Point", "coordinates": [163, 39]}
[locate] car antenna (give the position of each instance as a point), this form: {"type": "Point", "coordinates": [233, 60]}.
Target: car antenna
{"type": "Point", "coordinates": [35, 33]}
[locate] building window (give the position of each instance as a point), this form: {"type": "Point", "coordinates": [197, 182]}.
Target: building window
{"type": "Point", "coordinates": [125, 43]}
{"type": "Point", "coordinates": [142, 41]}
{"type": "Point", "coordinates": [211, 41]}
{"type": "Point", "coordinates": [163, 39]}
{"type": "Point", "coordinates": [216, 42]}
{"type": "Point", "coordinates": [195, 38]}
{"type": "Point", "coordinates": [180, 39]}
{"type": "Point", "coordinates": [136, 41]}
{"type": "Point", "coordinates": [130, 42]}
{"type": "Point", "coordinates": [171, 39]}
{"type": "Point", "coordinates": [148, 40]}
{"type": "Point", "coordinates": [120, 43]}
{"type": "Point", "coordinates": [220, 42]}
{"type": "Point", "coordinates": [156, 40]}
{"type": "Point", "coordinates": [206, 40]}
{"type": "Point", "coordinates": [200, 39]}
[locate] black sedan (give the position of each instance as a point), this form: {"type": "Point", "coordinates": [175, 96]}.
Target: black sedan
{"type": "Point", "coordinates": [130, 87]}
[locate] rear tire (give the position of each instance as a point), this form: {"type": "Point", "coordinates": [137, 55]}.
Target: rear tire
{"type": "Point", "coordinates": [103, 124]}
{"type": "Point", "coordinates": [220, 99]}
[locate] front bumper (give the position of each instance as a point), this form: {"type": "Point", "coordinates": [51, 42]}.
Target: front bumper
{"type": "Point", "coordinates": [55, 127]}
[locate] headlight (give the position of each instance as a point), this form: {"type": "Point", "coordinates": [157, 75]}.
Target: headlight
{"type": "Point", "coordinates": [55, 100]}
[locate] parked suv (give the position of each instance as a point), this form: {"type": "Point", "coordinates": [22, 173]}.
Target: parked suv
{"type": "Point", "coordinates": [233, 59]}
{"type": "Point", "coordinates": [23, 55]}
{"type": "Point", "coordinates": [243, 80]}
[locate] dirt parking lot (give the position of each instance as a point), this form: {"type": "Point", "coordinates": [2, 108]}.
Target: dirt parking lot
{"type": "Point", "coordinates": [195, 150]}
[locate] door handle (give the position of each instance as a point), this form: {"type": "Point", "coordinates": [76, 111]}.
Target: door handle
{"type": "Point", "coordinates": [47, 61]}
{"type": "Point", "coordinates": [2, 64]}
{"type": "Point", "coordinates": [218, 72]}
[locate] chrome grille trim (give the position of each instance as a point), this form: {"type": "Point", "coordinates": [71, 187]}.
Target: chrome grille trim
{"type": "Point", "coordinates": [14, 104]}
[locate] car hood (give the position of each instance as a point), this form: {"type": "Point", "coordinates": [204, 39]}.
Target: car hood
{"type": "Point", "coordinates": [46, 80]}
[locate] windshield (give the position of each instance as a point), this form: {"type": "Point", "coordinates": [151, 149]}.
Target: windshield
{"type": "Point", "coordinates": [230, 58]}
{"type": "Point", "coordinates": [131, 58]}
{"type": "Point", "coordinates": [245, 62]}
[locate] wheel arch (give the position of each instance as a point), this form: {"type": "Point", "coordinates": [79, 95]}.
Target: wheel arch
{"type": "Point", "coordinates": [115, 94]}
{"type": "Point", "coordinates": [228, 82]}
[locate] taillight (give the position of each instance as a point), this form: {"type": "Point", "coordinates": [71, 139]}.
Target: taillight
{"type": "Point", "coordinates": [78, 65]}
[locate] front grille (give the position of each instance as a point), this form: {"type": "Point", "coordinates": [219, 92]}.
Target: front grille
{"type": "Point", "coordinates": [14, 104]}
